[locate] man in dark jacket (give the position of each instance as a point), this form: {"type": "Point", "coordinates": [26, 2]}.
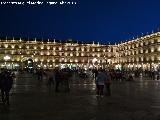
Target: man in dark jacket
{"type": "Point", "coordinates": [6, 85]}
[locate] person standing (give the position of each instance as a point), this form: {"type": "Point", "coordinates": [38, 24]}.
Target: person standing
{"type": "Point", "coordinates": [100, 82]}
{"type": "Point", "coordinates": [108, 83]}
{"type": "Point", "coordinates": [6, 85]}
{"type": "Point", "coordinates": [50, 77]}
{"type": "Point", "coordinates": [58, 79]}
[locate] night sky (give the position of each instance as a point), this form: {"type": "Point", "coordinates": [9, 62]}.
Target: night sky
{"type": "Point", "coordinates": [89, 20]}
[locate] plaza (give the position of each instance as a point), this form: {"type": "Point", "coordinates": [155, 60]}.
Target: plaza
{"type": "Point", "coordinates": [31, 99]}
{"type": "Point", "coordinates": [130, 100]}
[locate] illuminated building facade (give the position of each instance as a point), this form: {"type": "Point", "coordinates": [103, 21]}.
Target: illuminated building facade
{"type": "Point", "coordinates": [19, 54]}
{"type": "Point", "coordinates": [143, 52]}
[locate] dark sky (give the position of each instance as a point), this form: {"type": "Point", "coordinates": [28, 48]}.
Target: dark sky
{"type": "Point", "coordinates": [88, 20]}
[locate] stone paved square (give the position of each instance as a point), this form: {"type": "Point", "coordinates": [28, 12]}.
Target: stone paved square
{"type": "Point", "coordinates": [32, 100]}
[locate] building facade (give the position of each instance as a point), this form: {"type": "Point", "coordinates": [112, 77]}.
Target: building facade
{"type": "Point", "coordinates": [20, 54]}
{"type": "Point", "coordinates": [141, 53]}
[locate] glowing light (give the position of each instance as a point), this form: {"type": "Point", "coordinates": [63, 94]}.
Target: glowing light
{"type": "Point", "coordinates": [60, 48]}
{"type": "Point", "coordinates": [7, 57]}
{"type": "Point", "coordinates": [36, 59]}
{"type": "Point", "coordinates": [76, 60]}
{"type": "Point", "coordinates": [6, 45]}
{"type": "Point", "coordinates": [12, 46]}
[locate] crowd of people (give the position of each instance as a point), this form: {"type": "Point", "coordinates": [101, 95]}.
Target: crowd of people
{"type": "Point", "coordinates": [60, 79]}
{"type": "Point", "coordinates": [56, 77]}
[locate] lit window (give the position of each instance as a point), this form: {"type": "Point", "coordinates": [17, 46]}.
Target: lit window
{"type": "Point", "coordinates": [41, 53]}
{"type": "Point", "coordinates": [152, 41]}
{"type": "Point", "coordinates": [18, 59]}
{"type": "Point", "coordinates": [77, 54]}
{"type": "Point", "coordinates": [48, 53]}
{"type": "Point", "coordinates": [71, 54]}
{"type": "Point", "coordinates": [60, 54]}
{"type": "Point", "coordinates": [77, 48]}
{"type": "Point", "coordinates": [82, 54]}
{"type": "Point", "coordinates": [12, 52]}
{"type": "Point", "coordinates": [42, 47]}
{"type": "Point", "coordinates": [6, 45]}
{"type": "Point", "coordinates": [42, 60]}
{"type": "Point", "coordinates": [71, 60]}
{"type": "Point", "coordinates": [65, 54]}
{"type": "Point", "coordinates": [27, 52]}
{"type": "Point", "coordinates": [76, 60]}
{"type": "Point", "coordinates": [129, 52]}
{"type": "Point", "coordinates": [48, 48]}
{"type": "Point", "coordinates": [146, 43]}
{"type": "Point", "coordinates": [13, 46]}
{"type": "Point", "coordinates": [71, 48]}
{"type": "Point", "coordinates": [129, 46]}
{"type": "Point", "coordinates": [66, 48]}
{"type": "Point", "coordinates": [141, 58]}
{"type": "Point", "coordinates": [152, 49]}
{"type": "Point", "coordinates": [60, 48]}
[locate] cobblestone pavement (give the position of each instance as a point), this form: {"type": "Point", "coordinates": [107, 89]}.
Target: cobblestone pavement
{"type": "Point", "coordinates": [32, 100]}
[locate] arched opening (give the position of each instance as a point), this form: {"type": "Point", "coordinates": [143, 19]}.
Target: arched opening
{"type": "Point", "coordinates": [27, 63]}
